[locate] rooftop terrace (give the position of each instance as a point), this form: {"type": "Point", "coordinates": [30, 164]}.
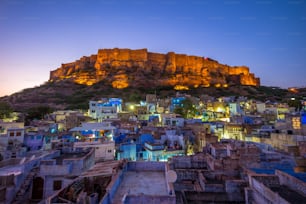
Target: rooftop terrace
{"type": "Point", "coordinates": [288, 194]}
{"type": "Point", "coordinates": [138, 182]}
{"type": "Point", "coordinates": [145, 181]}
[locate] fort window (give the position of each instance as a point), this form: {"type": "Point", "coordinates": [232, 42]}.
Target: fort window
{"type": "Point", "coordinates": [57, 185]}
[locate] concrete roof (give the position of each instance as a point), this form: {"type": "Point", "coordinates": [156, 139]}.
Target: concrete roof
{"type": "Point", "coordinates": [102, 169]}
{"type": "Point", "coordinates": [142, 182]}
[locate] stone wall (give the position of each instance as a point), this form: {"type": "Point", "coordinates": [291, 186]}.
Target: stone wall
{"type": "Point", "coordinates": [235, 186]}
{"type": "Point", "coordinates": [197, 161]}
{"type": "Point", "coordinates": [149, 199]}
{"type": "Point", "coordinates": [279, 140]}
{"type": "Point", "coordinates": [302, 148]}
{"type": "Point", "coordinates": [263, 194]}
{"type": "Point", "coordinates": [291, 182]}
{"type": "Point", "coordinates": [183, 174]}
{"type": "Point", "coordinates": [146, 166]}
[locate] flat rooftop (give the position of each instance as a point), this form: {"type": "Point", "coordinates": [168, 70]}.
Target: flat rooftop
{"type": "Point", "coordinates": [289, 195]}
{"type": "Point", "coordinates": [102, 169]}
{"type": "Point", "coordinates": [73, 155]}
{"type": "Point", "coordinates": [138, 182]}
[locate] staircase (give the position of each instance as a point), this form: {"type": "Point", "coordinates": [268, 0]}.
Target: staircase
{"type": "Point", "coordinates": [25, 187]}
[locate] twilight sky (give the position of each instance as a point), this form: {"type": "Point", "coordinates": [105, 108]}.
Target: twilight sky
{"type": "Point", "coordinates": [36, 36]}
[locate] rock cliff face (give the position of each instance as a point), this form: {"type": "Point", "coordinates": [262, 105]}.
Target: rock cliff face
{"type": "Point", "coordinates": [124, 67]}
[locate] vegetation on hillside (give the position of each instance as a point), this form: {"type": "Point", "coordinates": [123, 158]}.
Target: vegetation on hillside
{"type": "Point", "coordinates": [5, 110]}
{"type": "Point", "coordinates": [67, 95]}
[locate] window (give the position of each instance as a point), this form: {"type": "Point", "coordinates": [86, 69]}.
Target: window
{"type": "Point", "coordinates": [109, 151]}
{"type": "Point", "coordinates": [57, 185]}
{"type": "Point", "coordinates": [18, 133]}
{"type": "Point", "coordinates": [13, 155]}
{"type": "Point", "coordinates": [93, 111]}
{"type": "Point", "coordinates": [12, 134]}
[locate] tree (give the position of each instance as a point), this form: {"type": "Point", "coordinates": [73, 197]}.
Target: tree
{"type": "Point", "coordinates": [38, 113]}
{"type": "Point", "coordinates": [5, 110]}
{"type": "Point", "coordinates": [187, 110]}
{"type": "Point", "coordinates": [296, 103]}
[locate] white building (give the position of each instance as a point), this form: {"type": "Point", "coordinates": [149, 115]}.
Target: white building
{"type": "Point", "coordinates": [11, 134]}
{"type": "Point", "coordinates": [173, 140]}
{"type": "Point", "coordinates": [234, 109]}
{"type": "Point", "coordinates": [172, 120]}
{"type": "Point", "coordinates": [94, 131]}
{"type": "Point", "coordinates": [260, 107]}
{"type": "Point", "coordinates": [105, 109]}
{"type": "Point", "coordinates": [103, 151]}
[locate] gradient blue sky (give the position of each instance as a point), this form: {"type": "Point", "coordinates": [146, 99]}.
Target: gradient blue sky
{"type": "Point", "coordinates": [36, 36]}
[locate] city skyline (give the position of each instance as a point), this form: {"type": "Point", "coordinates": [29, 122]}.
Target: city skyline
{"type": "Point", "coordinates": [38, 36]}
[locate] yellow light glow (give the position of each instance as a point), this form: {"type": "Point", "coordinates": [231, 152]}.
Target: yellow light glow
{"type": "Point", "coordinates": [206, 85]}
{"type": "Point", "coordinates": [119, 84]}
{"type": "Point", "coordinates": [293, 90]}
{"type": "Point", "coordinates": [181, 87]}
{"type": "Point", "coordinates": [220, 109]}
{"type": "Point", "coordinates": [84, 81]}
{"type": "Point", "coordinates": [296, 123]}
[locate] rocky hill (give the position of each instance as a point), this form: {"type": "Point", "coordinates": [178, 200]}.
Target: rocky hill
{"type": "Point", "coordinates": [122, 68]}
{"type": "Point", "coordinates": [69, 95]}
{"type": "Point", "coordinates": [131, 74]}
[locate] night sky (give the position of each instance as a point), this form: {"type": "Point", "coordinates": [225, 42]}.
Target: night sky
{"type": "Point", "coordinates": [37, 36]}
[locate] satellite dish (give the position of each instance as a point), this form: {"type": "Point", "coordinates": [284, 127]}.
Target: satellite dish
{"type": "Point", "coordinates": [172, 176]}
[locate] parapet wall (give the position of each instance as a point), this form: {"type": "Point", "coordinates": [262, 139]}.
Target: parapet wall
{"type": "Point", "coordinates": [149, 199]}
{"type": "Point", "coordinates": [146, 166]}
{"type": "Point", "coordinates": [291, 182]}
{"type": "Point", "coordinates": [265, 193]}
